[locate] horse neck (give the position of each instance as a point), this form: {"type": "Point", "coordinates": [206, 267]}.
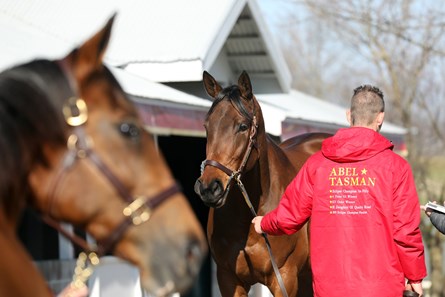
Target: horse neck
{"type": "Point", "coordinates": [255, 180]}
{"type": "Point", "coordinates": [261, 179]}
{"type": "Point", "coordinates": [19, 277]}
{"type": "Point", "coordinates": [274, 174]}
{"type": "Point", "coordinates": [35, 92]}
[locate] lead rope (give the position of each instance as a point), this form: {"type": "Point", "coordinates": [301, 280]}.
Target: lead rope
{"type": "Point", "coordinates": [266, 239]}
{"type": "Point", "coordinates": [240, 184]}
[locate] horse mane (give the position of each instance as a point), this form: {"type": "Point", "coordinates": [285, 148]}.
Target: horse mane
{"type": "Point", "coordinates": [31, 98]}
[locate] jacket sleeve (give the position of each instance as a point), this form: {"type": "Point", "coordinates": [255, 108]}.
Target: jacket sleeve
{"type": "Point", "coordinates": [438, 221]}
{"type": "Point", "coordinates": [294, 208]}
{"type": "Point", "coordinates": [406, 217]}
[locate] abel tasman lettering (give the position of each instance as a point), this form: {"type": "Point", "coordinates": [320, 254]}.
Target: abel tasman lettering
{"type": "Point", "coordinates": [355, 183]}
{"type": "Point", "coordinates": [350, 176]}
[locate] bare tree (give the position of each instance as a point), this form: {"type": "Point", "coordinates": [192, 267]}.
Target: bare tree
{"type": "Point", "coordinates": [333, 46]}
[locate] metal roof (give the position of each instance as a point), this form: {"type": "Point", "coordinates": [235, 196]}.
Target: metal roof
{"type": "Point", "coordinates": [301, 106]}
{"type": "Point", "coordinates": [164, 41]}
{"type": "Point", "coordinates": [194, 35]}
{"type": "Point", "coordinates": [174, 39]}
{"type": "Point", "coordinates": [143, 88]}
{"type": "Point", "coordinates": [47, 29]}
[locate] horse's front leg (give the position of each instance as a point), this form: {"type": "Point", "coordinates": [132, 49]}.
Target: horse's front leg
{"type": "Point", "coordinates": [290, 281]}
{"type": "Point", "coordinates": [229, 284]}
{"type": "Point", "coordinates": [291, 289]}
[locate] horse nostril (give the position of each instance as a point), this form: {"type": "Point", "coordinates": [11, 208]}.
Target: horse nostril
{"type": "Point", "coordinates": [215, 187]}
{"type": "Point", "coordinates": [198, 187]}
{"type": "Point", "coordinates": [194, 255]}
{"type": "Point", "coordinates": [193, 251]}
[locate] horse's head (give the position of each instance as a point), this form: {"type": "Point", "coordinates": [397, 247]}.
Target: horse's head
{"type": "Point", "coordinates": [94, 165]}
{"type": "Point", "coordinates": [232, 125]}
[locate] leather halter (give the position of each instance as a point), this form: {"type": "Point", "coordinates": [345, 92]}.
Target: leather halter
{"type": "Point", "coordinates": [79, 146]}
{"type": "Point", "coordinates": [237, 176]}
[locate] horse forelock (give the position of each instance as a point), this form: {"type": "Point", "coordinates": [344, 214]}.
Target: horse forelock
{"type": "Point", "coordinates": [233, 95]}
{"type": "Point", "coordinates": [31, 98]}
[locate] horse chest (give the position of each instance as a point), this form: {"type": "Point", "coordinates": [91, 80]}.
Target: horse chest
{"type": "Point", "coordinates": [242, 255]}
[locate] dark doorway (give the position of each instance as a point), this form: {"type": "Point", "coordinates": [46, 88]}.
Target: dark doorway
{"type": "Point", "coordinates": [40, 240]}
{"type": "Point", "coordinates": [184, 156]}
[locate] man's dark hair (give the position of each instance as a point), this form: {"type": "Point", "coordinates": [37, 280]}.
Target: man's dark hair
{"type": "Point", "coordinates": [366, 103]}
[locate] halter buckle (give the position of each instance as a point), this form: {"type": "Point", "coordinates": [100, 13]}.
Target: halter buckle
{"type": "Point", "coordinates": [137, 211]}
{"type": "Point", "coordinates": [73, 144]}
{"type": "Point", "coordinates": [75, 111]}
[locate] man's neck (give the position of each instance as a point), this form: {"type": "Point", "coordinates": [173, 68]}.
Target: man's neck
{"type": "Point", "coordinates": [368, 127]}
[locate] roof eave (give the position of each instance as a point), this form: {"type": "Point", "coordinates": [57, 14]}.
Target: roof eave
{"type": "Point", "coordinates": [222, 34]}
{"type": "Point", "coordinates": [280, 67]}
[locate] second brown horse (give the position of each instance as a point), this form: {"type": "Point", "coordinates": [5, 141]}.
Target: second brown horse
{"type": "Point", "coordinates": [238, 146]}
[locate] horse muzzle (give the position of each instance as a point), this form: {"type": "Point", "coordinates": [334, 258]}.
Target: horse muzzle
{"type": "Point", "coordinates": [213, 194]}
{"type": "Point", "coordinates": [174, 269]}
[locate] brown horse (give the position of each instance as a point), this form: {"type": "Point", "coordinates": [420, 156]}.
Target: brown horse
{"type": "Point", "coordinates": [91, 163]}
{"type": "Point", "coordinates": [238, 147]}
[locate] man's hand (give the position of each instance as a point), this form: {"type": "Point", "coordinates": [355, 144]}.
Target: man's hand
{"type": "Point", "coordinates": [257, 224]}
{"type": "Point", "coordinates": [415, 287]}
{"type": "Point", "coordinates": [418, 288]}
{"type": "Point", "coordinates": [427, 210]}
{"type": "Point", "coordinates": [72, 291]}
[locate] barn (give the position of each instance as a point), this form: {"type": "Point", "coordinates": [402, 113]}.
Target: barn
{"type": "Point", "coordinates": [158, 52]}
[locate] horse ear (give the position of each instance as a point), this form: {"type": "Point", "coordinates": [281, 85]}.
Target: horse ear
{"type": "Point", "coordinates": [245, 85]}
{"type": "Point", "coordinates": [89, 56]}
{"type": "Point", "coordinates": [211, 85]}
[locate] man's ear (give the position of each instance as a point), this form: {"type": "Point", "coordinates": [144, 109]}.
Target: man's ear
{"type": "Point", "coordinates": [348, 117]}
{"type": "Point", "coordinates": [379, 120]}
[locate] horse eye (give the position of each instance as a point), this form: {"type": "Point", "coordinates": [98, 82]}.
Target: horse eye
{"type": "Point", "coordinates": [243, 127]}
{"type": "Point", "coordinates": [129, 129]}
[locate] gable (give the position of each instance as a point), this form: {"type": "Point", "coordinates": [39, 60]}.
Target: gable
{"type": "Point", "coordinates": [235, 39]}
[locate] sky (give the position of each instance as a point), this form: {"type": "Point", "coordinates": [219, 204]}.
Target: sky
{"type": "Point", "coordinates": [275, 10]}
{"type": "Point", "coordinates": [271, 7]}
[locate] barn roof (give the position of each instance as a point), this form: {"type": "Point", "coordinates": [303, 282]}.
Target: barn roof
{"type": "Point", "coordinates": [143, 88]}
{"type": "Point", "coordinates": [47, 29]}
{"type": "Point", "coordinates": [163, 41]}
{"type": "Point", "coordinates": [166, 41]}
{"type": "Point", "coordinates": [301, 106]}
{"type": "Point", "coordinates": [189, 37]}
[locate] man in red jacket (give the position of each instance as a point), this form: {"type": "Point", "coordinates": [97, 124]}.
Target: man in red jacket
{"type": "Point", "coordinates": [361, 198]}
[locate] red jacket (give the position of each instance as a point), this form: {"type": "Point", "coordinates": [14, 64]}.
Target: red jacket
{"type": "Point", "coordinates": [364, 210]}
